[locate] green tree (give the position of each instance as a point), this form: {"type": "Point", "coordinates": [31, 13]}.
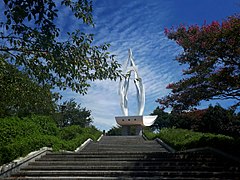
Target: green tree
{"type": "Point", "coordinates": [214, 119]}
{"type": "Point", "coordinates": [20, 96]}
{"type": "Point", "coordinates": [220, 120]}
{"type": "Point", "coordinates": [212, 55]}
{"type": "Point", "coordinates": [31, 40]}
{"type": "Point", "coordinates": [71, 113]}
{"type": "Point", "coordinates": [115, 131]}
{"type": "Point", "coordinates": [169, 120]}
{"type": "Point", "coordinates": [163, 119]}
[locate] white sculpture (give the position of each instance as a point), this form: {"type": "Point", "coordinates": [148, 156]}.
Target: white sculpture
{"type": "Point", "coordinates": [127, 120]}
{"type": "Point", "coordinates": [124, 84]}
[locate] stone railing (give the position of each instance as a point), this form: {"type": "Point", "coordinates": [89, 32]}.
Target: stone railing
{"type": "Point", "coordinates": [14, 166]}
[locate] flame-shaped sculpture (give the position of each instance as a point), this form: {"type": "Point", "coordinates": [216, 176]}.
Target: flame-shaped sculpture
{"type": "Point", "coordinates": [124, 84]}
{"type": "Point", "coordinates": [127, 120]}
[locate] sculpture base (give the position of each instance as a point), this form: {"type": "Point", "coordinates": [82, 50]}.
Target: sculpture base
{"type": "Point", "coordinates": [132, 130]}
{"type": "Point", "coordinates": [135, 122]}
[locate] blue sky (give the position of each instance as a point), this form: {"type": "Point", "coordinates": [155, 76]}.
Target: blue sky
{"type": "Point", "coordinates": [139, 25]}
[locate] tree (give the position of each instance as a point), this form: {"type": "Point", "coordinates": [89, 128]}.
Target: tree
{"type": "Point", "coordinates": [115, 131]}
{"type": "Point", "coordinates": [20, 96]}
{"type": "Point", "coordinates": [169, 120]}
{"type": "Point", "coordinates": [163, 119]}
{"type": "Point", "coordinates": [71, 113]}
{"type": "Point", "coordinates": [30, 40]}
{"type": "Point", "coordinates": [214, 119]}
{"type": "Point", "coordinates": [212, 53]}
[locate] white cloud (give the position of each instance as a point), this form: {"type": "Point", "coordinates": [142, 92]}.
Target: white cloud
{"type": "Point", "coordinates": [137, 25]}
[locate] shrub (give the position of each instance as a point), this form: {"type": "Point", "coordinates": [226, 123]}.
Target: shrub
{"type": "Point", "coordinates": [23, 146]}
{"type": "Point", "coordinates": [12, 128]}
{"type": "Point", "coordinates": [46, 124]}
{"type": "Point", "coordinates": [182, 139]}
{"type": "Point", "coordinates": [149, 134]}
{"type": "Point", "coordinates": [18, 137]}
{"type": "Point", "coordinates": [70, 132]}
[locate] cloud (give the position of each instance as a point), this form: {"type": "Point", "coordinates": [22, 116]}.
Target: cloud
{"type": "Point", "coordinates": [138, 25]}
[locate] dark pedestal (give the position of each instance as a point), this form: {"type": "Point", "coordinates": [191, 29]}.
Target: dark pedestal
{"type": "Point", "coordinates": [126, 130]}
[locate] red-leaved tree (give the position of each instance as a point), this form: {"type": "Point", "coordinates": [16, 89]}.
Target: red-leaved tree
{"type": "Point", "coordinates": [212, 53]}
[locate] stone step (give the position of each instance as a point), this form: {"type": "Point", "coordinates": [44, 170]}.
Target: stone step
{"type": "Point", "coordinates": [129, 158]}
{"type": "Point", "coordinates": [133, 148]}
{"type": "Point", "coordinates": [133, 167]}
{"type": "Point", "coordinates": [128, 144]}
{"type": "Point", "coordinates": [122, 173]}
{"type": "Point", "coordinates": [130, 155]}
{"type": "Point", "coordinates": [125, 150]}
{"type": "Point", "coordinates": [125, 163]}
{"type": "Point", "coordinates": [98, 155]}
{"type": "Point", "coordinates": [148, 154]}
{"type": "Point", "coordinates": [111, 178]}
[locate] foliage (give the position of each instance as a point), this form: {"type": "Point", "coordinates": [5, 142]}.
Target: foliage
{"type": "Point", "coordinates": [71, 113]}
{"type": "Point", "coordinates": [164, 119]}
{"type": "Point", "coordinates": [212, 53]}
{"type": "Point", "coordinates": [115, 131]}
{"type": "Point", "coordinates": [214, 119]}
{"type": "Point", "coordinates": [70, 132]}
{"type": "Point", "coordinates": [149, 134]}
{"type": "Point", "coordinates": [182, 139]}
{"type": "Point", "coordinates": [20, 96]}
{"type": "Point", "coordinates": [46, 124]}
{"type": "Point", "coordinates": [169, 120]}
{"type": "Point", "coordinates": [25, 145]}
{"type": "Point", "coordinates": [19, 137]}
{"type": "Point", "coordinates": [31, 40]}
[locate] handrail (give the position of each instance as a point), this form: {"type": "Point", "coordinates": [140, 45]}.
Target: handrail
{"type": "Point", "coordinates": [166, 146]}
{"type": "Point", "coordinates": [216, 151]}
{"type": "Point", "coordinates": [83, 145]}
{"type": "Point", "coordinates": [7, 169]}
{"type": "Point", "coordinates": [159, 141]}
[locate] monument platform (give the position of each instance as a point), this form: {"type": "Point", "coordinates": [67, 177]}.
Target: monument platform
{"type": "Point", "coordinates": [135, 120]}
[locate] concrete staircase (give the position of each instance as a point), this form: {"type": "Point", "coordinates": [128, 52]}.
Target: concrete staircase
{"type": "Point", "coordinates": [129, 157]}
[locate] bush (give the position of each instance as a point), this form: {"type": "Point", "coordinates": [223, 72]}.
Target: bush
{"type": "Point", "coordinates": [182, 139]}
{"type": "Point", "coordinates": [46, 124]}
{"type": "Point", "coordinates": [70, 132]}
{"type": "Point", "coordinates": [23, 146]}
{"type": "Point", "coordinates": [149, 134]}
{"type": "Point", "coordinates": [12, 128]}
{"type": "Point", "coordinates": [18, 137]}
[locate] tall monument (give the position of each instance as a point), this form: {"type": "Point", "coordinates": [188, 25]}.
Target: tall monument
{"type": "Point", "coordinates": [138, 121]}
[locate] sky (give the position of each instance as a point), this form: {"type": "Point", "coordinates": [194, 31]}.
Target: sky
{"type": "Point", "coordinates": [139, 25]}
